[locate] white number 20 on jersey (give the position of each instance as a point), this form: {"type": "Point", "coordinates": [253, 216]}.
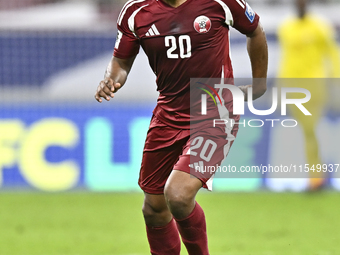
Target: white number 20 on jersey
{"type": "Point", "coordinates": [184, 43]}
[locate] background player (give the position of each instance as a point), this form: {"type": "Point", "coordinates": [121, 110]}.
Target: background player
{"type": "Point", "coordinates": [183, 39]}
{"type": "Point", "coordinates": [309, 50]}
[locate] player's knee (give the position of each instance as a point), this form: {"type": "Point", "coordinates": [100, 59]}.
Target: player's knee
{"type": "Point", "coordinates": [155, 214]}
{"type": "Point", "coordinates": [178, 200]}
{"type": "Point", "coordinates": [150, 209]}
{"type": "Point", "coordinates": [148, 213]}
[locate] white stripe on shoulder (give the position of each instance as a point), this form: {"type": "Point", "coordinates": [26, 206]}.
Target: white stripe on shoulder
{"type": "Point", "coordinates": [131, 20]}
{"type": "Point", "coordinates": [124, 7]}
{"type": "Point", "coordinates": [127, 6]}
{"type": "Point", "coordinates": [241, 2]}
{"type": "Point", "coordinates": [229, 20]}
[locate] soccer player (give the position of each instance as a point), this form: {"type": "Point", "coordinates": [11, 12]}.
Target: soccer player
{"type": "Point", "coordinates": [309, 50]}
{"type": "Point", "coordinates": [182, 39]}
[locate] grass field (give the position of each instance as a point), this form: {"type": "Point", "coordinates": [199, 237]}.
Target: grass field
{"type": "Point", "coordinates": [109, 223]}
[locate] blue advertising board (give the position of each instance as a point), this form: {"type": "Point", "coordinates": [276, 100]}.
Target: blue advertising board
{"type": "Point", "coordinates": [57, 148]}
{"type": "Point", "coordinates": [62, 147]}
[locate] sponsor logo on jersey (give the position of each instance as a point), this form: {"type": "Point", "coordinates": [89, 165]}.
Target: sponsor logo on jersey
{"type": "Point", "coordinates": [250, 13]}
{"type": "Point", "coordinates": [202, 24]}
{"type": "Point", "coordinates": [152, 31]}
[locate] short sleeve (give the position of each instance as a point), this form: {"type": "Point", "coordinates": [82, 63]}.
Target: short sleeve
{"type": "Point", "coordinates": [127, 43]}
{"type": "Point", "coordinates": [241, 17]}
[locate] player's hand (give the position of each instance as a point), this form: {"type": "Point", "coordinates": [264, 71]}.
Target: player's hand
{"type": "Point", "coordinates": [106, 89]}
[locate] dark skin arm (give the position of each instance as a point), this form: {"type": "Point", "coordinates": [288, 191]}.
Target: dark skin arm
{"type": "Point", "coordinates": [115, 77]}
{"type": "Point", "coordinates": [258, 54]}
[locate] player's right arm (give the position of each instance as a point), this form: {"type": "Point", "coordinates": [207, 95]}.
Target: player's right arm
{"type": "Point", "coordinates": [125, 51]}
{"type": "Point", "coordinates": [115, 77]}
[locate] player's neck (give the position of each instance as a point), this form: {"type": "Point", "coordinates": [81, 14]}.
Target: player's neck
{"type": "Point", "coordinates": [175, 3]}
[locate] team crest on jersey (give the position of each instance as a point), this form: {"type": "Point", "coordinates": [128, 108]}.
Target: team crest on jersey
{"type": "Point", "coordinates": [202, 24]}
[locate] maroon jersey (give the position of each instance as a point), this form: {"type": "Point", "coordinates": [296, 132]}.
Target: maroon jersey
{"type": "Point", "coordinates": [190, 41]}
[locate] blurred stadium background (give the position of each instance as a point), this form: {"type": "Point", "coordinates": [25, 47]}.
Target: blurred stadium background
{"type": "Point", "coordinates": [69, 166]}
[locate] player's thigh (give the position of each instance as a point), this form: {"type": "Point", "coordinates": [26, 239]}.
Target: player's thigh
{"type": "Point", "coordinates": [163, 147]}
{"type": "Point", "coordinates": [204, 153]}
{"type": "Point", "coordinates": [156, 168]}
{"type": "Point", "coordinates": [182, 186]}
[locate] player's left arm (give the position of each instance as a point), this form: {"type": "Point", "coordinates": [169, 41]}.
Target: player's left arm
{"type": "Point", "coordinates": [258, 54]}
{"type": "Point", "coordinates": [246, 21]}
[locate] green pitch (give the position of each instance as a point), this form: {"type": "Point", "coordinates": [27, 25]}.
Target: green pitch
{"type": "Point", "coordinates": [105, 224]}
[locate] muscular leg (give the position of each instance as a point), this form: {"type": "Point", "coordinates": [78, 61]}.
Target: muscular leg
{"type": "Point", "coordinates": [155, 210]}
{"type": "Point", "coordinates": [161, 229]}
{"type": "Point", "coordinates": [180, 192]}
{"type": "Point", "coordinates": [178, 200]}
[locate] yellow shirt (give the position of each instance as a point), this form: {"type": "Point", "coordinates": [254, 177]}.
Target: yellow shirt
{"type": "Point", "coordinates": [309, 49]}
